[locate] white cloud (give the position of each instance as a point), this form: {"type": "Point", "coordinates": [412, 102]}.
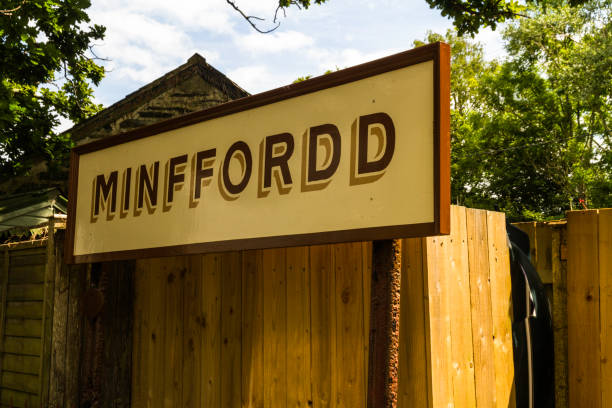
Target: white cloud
{"type": "Point", "coordinates": [259, 78]}
{"type": "Point", "coordinates": [141, 47]}
{"type": "Point", "coordinates": [274, 42]}
{"type": "Point", "coordinates": [211, 15]}
{"type": "Point", "coordinates": [345, 58]}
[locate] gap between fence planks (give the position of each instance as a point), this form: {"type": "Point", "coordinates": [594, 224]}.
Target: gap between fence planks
{"type": "Point", "coordinates": [288, 327]}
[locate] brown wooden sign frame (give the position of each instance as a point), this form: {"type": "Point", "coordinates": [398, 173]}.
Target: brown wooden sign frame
{"type": "Point", "coordinates": [439, 53]}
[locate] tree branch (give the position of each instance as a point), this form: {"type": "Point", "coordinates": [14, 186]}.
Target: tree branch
{"type": "Point", "coordinates": [250, 19]}
{"type": "Point", "coordinates": [95, 57]}
{"type": "Point", "coordinates": [9, 12]}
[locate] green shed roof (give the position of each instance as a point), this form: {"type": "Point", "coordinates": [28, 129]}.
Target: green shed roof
{"type": "Point", "coordinates": [30, 209]}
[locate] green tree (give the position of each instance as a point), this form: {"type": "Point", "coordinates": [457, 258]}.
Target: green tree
{"type": "Point", "coordinates": [46, 74]}
{"type": "Point", "coordinates": [530, 135]}
{"type": "Point", "coordinates": [470, 15]}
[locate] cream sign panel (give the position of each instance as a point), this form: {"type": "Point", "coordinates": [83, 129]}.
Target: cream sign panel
{"type": "Point", "coordinates": [355, 155]}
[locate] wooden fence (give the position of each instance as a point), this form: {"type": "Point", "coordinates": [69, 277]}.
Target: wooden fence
{"type": "Point", "coordinates": [289, 327]}
{"type": "Point", "coordinates": [589, 308]}
{"type": "Point", "coordinates": [578, 253]}
{"type": "Point", "coordinates": [26, 286]}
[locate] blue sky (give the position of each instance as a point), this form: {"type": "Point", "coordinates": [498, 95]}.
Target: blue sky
{"type": "Point", "coordinates": [147, 38]}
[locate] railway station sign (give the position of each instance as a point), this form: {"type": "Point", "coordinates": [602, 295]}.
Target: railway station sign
{"type": "Point", "coordinates": [358, 154]}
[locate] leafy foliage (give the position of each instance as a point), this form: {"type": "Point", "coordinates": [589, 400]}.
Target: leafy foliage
{"type": "Point", "coordinates": [468, 16]}
{"type": "Point", "coordinates": [531, 135]}
{"type": "Point", "coordinates": [46, 74]}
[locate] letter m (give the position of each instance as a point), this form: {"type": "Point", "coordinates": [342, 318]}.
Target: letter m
{"type": "Point", "coordinates": [106, 191]}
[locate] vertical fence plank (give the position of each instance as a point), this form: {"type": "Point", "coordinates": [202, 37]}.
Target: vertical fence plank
{"type": "Point", "coordinates": [530, 229]}
{"type": "Point", "coordinates": [438, 268]}
{"type": "Point", "coordinates": [458, 287]}
{"type": "Point", "coordinates": [501, 309]}
{"type": "Point", "coordinates": [3, 293]}
{"type": "Point", "coordinates": [231, 329]}
{"type": "Point", "coordinates": [414, 329]}
{"type": "Point", "coordinates": [482, 323]}
{"type": "Point", "coordinates": [252, 330]}
{"type": "Point", "coordinates": [141, 337]}
{"type": "Point", "coordinates": [349, 325]}
{"type": "Point", "coordinates": [298, 327]}
{"type": "Point", "coordinates": [543, 262]}
{"type": "Point", "coordinates": [192, 326]}
{"type": "Point", "coordinates": [559, 315]}
{"type": "Point", "coordinates": [211, 337]}
{"type": "Point", "coordinates": [323, 322]}
{"type": "Point", "coordinates": [275, 328]}
{"type": "Point", "coordinates": [155, 333]}
{"type": "Point", "coordinates": [47, 316]}
{"type": "Point", "coordinates": [583, 310]}
{"type": "Point", "coordinates": [366, 248]}
{"type": "Point", "coordinates": [173, 274]}
{"type": "Point", "coordinates": [57, 387]}
{"type": "Point", "coordinates": [605, 278]}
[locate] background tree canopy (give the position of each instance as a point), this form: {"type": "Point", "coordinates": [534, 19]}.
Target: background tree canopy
{"type": "Point", "coordinates": [531, 135]}
{"type": "Point", "coordinates": [46, 74]}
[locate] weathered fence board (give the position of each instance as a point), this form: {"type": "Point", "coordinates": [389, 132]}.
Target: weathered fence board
{"type": "Point", "coordinates": [25, 298]}
{"type": "Point", "coordinates": [583, 310]}
{"type": "Point", "coordinates": [605, 298]}
{"type": "Point", "coordinates": [289, 327]}
{"type": "Point", "coordinates": [481, 309]}
{"type": "Point", "coordinates": [578, 252]}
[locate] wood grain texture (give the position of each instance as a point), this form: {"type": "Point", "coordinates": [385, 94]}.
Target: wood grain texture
{"type": "Point", "coordinates": [26, 309]}
{"type": "Point", "coordinates": [211, 323]}
{"type": "Point", "coordinates": [298, 327]}
{"type": "Point", "coordinates": [156, 333]}
{"type": "Point", "coordinates": [501, 309]}
{"type": "Point", "coordinates": [350, 341]}
{"type": "Point", "coordinates": [367, 285]}
{"type": "Point", "coordinates": [4, 275]}
{"type": "Point", "coordinates": [482, 322]}
{"type": "Point", "coordinates": [252, 329]}
{"type": "Point", "coordinates": [74, 333]}
{"type": "Point", "coordinates": [323, 323]}
{"type": "Point", "coordinates": [231, 329]}
{"type": "Point", "coordinates": [172, 276]}
{"type": "Point", "coordinates": [17, 399]}
{"type": "Point", "coordinates": [458, 286]}
{"type": "Point", "coordinates": [141, 335]}
{"type": "Point", "coordinates": [21, 364]}
{"type": "Point", "coordinates": [438, 269]}
{"type": "Point", "coordinates": [192, 332]}
{"type": "Point", "coordinates": [605, 299]}
{"type": "Point", "coordinates": [414, 380]}
{"type": "Point", "coordinates": [275, 328]}
{"type": "Point", "coordinates": [583, 308]}
{"type": "Point", "coordinates": [543, 261]}
{"type": "Point", "coordinates": [289, 327]}
{"type": "Point", "coordinates": [559, 314]}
